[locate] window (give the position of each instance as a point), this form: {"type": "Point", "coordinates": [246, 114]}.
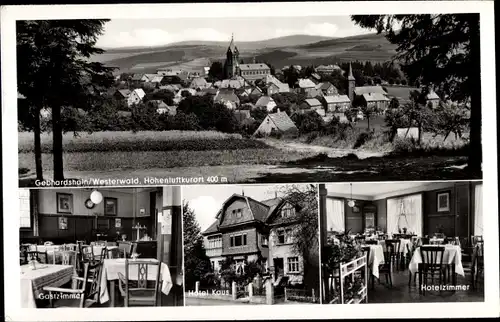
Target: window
{"type": "Point", "coordinates": [284, 236]}
{"type": "Point", "coordinates": [24, 208]}
{"type": "Point", "coordinates": [214, 242]}
{"type": "Point", "coordinates": [281, 236]}
{"type": "Point", "coordinates": [238, 240]}
{"type": "Point", "coordinates": [293, 264]}
{"type": "Point", "coordinates": [287, 211]}
{"type": "Point", "coordinates": [264, 240]}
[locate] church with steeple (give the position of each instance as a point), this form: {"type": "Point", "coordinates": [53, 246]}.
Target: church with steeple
{"type": "Point", "coordinates": [250, 72]}
{"type": "Point", "coordinates": [231, 66]}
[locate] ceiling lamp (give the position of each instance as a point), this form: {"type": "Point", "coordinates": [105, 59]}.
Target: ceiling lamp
{"type": "Point", "coordinates": [351, 203]}
{"type": "Point", "coordinates": [96, 197]}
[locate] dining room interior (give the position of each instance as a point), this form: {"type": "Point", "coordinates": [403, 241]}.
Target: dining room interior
{"type": "Point", "coordinates": [402, 242]}
{"type": "Point", "coordinates": [101, 247]}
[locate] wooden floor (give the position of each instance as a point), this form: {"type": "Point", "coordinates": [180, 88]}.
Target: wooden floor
{"type": "Point", "coordinates": [402, 293]}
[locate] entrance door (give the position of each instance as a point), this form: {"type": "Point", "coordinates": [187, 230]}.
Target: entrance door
{"type": "Point", "coordinates": [279, 267]}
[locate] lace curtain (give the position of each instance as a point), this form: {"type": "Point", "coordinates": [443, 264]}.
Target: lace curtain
{"type": "Point", "coordinates": [478, 210]}
{"type": "Point", "coordinates": [335, 214]}
{"type": "Point", "coordinates": [405, 212]}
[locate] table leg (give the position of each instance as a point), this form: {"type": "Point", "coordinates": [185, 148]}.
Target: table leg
{"type": "Point", "coordinates": [453, 275]}
{"type": "Point", "coordinates": [112, 293]}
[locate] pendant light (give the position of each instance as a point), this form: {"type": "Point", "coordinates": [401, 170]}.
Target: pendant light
{"type": "Point", "coordinates": [351, 203]}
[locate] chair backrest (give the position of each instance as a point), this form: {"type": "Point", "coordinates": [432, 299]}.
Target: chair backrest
{"type": "Point", "coordinates": [424, 240]}
{"type": "Point", "coordinates": [371, 242]}
{"type": "Point", "coordinates": [396, 244]}
{"type": "Point", "coordinates": [104, 253]}
{"type": "Point", "coordinates": [41, 257]}
{"type": "Point", "coordinates": [142, 269]}
{"type": "Point", "coordinates": [367, 250]}
{"type": "Point", "coordinates": [86, 253]}
{"type": "Point", "coordinates": [476, 239]}
{"type": "Point", "coordinates": [389, 252]}
{"type": "Point", "coordinates": [69, 257]}
{"type": "Point", "coordinates": [92, 282]}
{"type": "Point", "coordinates": [133, 248]}
{"type": "Point", "coordinates": [432, 255]}
{"type": "Point", "coordinates": [125, 248]}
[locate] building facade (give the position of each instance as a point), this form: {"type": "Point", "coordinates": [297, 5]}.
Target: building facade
{"type": "Point", "coordinates": [249, 230]}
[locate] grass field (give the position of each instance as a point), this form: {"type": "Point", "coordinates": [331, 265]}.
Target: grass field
{"type": "Point", "coordinates": [142, 150]}
{"type": "Point", "coordinates": [142, 141]}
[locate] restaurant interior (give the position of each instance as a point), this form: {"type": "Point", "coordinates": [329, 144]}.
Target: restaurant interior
{"type": "Point", "coordinates": [105, 247]}
{"type": "Point", "coordinates": [402, 242]}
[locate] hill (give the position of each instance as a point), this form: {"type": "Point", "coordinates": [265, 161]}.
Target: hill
{"type": "Point", "coordinates": [278, 52]}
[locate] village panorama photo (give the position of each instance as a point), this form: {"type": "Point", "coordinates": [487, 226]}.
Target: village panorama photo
{"type": "Point", "coordinates": [304, 99]}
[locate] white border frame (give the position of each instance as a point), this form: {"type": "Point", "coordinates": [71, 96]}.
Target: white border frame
{"type": "Point", "coordinates": [10, 14]}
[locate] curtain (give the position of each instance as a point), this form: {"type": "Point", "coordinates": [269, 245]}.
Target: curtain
{"type": "Point", "coordinates": [478, 210]}
{"type": "Point", "coordinates": [405, 212]}
{"type": "Point", "coordinates": [335, 214]}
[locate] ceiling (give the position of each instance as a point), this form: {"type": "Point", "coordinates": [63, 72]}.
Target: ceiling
{"type": "Point", "coordinates": [375, 190]}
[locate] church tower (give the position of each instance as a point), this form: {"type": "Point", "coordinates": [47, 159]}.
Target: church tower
{"type": "Point", "coordinates": [351, 84]}
{"type": "Point", "coordinates": [231, 64]}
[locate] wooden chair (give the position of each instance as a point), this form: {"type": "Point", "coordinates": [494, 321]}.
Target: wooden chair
{"type": "Point", "coordinates": [104, 254]}
{"type": "Point", "coordinates": [424, 240]}
{"type": "Point", "coordinates": [396, 243]}
{"type": "Point", "coordinates": [432, 264]}
{"type": "Point", "coordinates": [140, 292]}
{"type": "Point", "coordinates": [125, 249]}
{"type": "Point", "coordinates": [367, 250]}
{"type": "Point", "coordinates": [88, 287]}
{"type": "Point", "coordinates": [23, 254]}
{"type": "Point", "coordinates": [41, 257]}
{"type": "Point", "coordinates": [386, 267]}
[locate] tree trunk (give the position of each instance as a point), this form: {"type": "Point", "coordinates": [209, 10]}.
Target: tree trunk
{"type": "Point", "coordinates": [368, 119]}
{"type": "Point", "coordinates": [475, 144]}
{"type": "Point", "coordinates": [57, 138]}
{"type": "Point", "coordinates": [38, 145]}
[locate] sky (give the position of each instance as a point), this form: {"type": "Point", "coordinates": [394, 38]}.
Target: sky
{"type": "Point", "coordinates": [156, 32]}
{"type": "Point", "coordinates": [206, 201]}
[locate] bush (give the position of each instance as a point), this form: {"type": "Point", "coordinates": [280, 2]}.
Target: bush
{"type": "Point", "coordinates": [405, 145]}
{"type": "Point", "coordinates": [363, 137]}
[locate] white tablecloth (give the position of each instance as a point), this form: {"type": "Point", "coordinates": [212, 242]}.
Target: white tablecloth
{"type": "Point", "coordinates": [452, 255]}
{"type": "Point", "coordinates": [112, 267]}
{"type": "Point", "coordinates": [33, 281]}
{"type": "Point", "coordinates": [376, 258]}
{"type": "Point", "coordinates": [43, 248]}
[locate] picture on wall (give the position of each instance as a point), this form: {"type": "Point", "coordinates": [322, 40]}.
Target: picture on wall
{"type": "Point", "coordinates": [64, 203]}
{"type": "Point", "coordinates": [110, 206]}
{"type": "Point", "coordinates": [443, 202]}
{"type": "Point", "coordinates": [118, 223]}
{"type": "Point", "coordinates": [63, 223]}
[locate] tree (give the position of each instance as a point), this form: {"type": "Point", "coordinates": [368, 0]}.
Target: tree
{"type": "Point", "coordinates": [305, 233]}
{"type": "Point", "coordinates": [216, 70]}
{"type": "Point", "coordinates": [360, 104]}
{"type": "Point", "coordinates": [454, 69]}
{"type": "Point", "coordinates": [291, 76]}
{"type": "Point", "coordinates": [54, 71]}
{"type": "Point", "coordinates": [196, 262]}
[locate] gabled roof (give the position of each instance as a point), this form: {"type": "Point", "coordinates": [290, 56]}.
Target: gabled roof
{"type": "Point", "coordinates": [226, 96]}
{"type": "Point", "coordinates": [124, 92]}
{"type": "Point", "coordinates": [264, 101]}
{"type": "Point", "coordinates": [306, 83]}
{"type": "Point", "coordinates": [253, 66]}
{"type": "Point", "coordinates": [137, 77]}
{"type": "Point", "coordinates": [273, 204]}
{"type": "Point", "coordinates": [282, 121]}
{"type": "Point", "coordinates": [360, 90]}
{"type": "Point", "coordinates": [312, 102]}
{"type": "Point", "coordinates": [199, 82]}
{"type": "Point", "coordinates": [207, 91]}
{"type": "Point", "coordinates": [213, 228]}
{"type": "Point", "coordinates": [139, 92]}
{"type": "Point", "coordinates": [159, 103]}
{"type": "Point", "coordinates": [324, 85]}
{"type": "Point", "coordinates": [157, 79]}
{"type": "Point", "coordinates": [337, 99]}
{"type": "Point", "coordinates": [432, 96]}
{"type": "Point", "coordinates": [374, 97]}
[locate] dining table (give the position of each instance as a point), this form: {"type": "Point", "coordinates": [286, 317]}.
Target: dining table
{"type": "Point", "coordinates": [113, 266]}
{"type": "Point", "coordinates": [376, 258]}
{"type": "Point", "coordinates": [405, 245]}
{"type": "Point", "coordinates": [452, 256]}
{"type": "Point", "coordinates": [34, 279]}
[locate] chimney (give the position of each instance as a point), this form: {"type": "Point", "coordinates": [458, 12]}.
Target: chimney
{"type": "Point", "coordinates": [276, 194]}
{"type": "Point", "coordinates": [253, 59]}
{"type": "Point", "coordinates": [242, 192]}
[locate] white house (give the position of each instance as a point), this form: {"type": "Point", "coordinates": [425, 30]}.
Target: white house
{"type": "Point", "coordinates": [267, 102]}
